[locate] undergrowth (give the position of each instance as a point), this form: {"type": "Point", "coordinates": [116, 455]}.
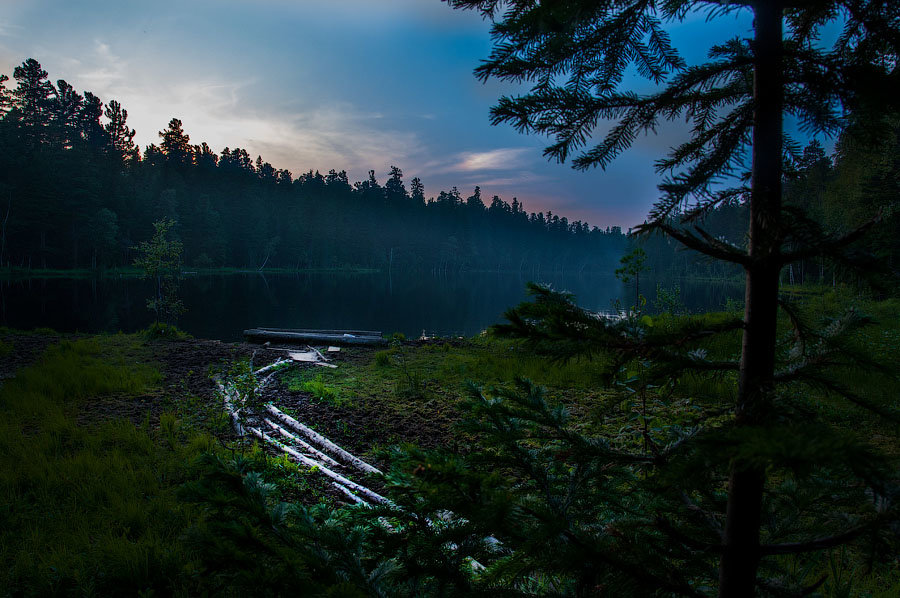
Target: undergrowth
{"type": "Point", "coordinates": [321, 385]}
{"type": "Point", "coordinates": [88, 508]}
{"type": "Point", "coordinates": [161, 330]}
{"type": "Point", "coordinates": [95, 508]}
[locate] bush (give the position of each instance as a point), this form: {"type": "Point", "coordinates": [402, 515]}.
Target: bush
{"type": "Point", "coordinates": [383, 358]}
{"type": "Point", "coordinates": [163, 331]}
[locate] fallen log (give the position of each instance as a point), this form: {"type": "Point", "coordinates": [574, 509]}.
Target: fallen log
{"type": "Point", "coordinates": [302, 444]}
{"type": "Point", "coordinates": [271, 366]}
{"type": "Point", "coordinates": [324, 443]}
{"type": "Point", "coordinates": [321, 468]}
{"type": "Point", "coordinates": [262, 335]}
{"type": "Point", "coordinates": [338, 481]}
{"type": "Point", "coordinates": [322, 331]}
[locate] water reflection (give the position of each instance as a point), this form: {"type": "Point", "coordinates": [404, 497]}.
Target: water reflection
{"type": "Point", "coordinates": [222, 306]}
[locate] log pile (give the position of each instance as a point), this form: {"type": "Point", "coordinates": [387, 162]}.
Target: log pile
{"type": "Point", "coordinates": [305, 446]}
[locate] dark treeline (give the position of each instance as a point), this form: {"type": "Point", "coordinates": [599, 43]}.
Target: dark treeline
{"type": "Point", "coordinates": [836, 193]}
{"type": "Point", "coordinates": [76, 192]}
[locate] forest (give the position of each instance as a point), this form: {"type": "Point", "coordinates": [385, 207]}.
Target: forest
{"type": "Point", "coordinates": [80, 195]}
{"type": "Point", "coordinates": [750, 449]}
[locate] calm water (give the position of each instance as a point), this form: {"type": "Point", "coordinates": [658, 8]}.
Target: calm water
{"type": "Point", "coordinates": [222, 306]}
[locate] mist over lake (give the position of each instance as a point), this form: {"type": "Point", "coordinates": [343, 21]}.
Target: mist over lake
{"type": "Point", "coordinates": [222, 306]}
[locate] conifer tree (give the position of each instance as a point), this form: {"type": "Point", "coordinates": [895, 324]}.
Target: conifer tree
{"type": "Point", "coordinates": [160, 259]}
{"type": "Point", "coordinates": [92, 132]}
{"type": "Point", "coordinates": [6, 96]}
{"type": "Point", "coordinates": [120, 136]}
{"type": "Point", "coordinates": [176, 144]}
{"type": "Point", "coordinates": [33, 93]}
{"type": "Point", "coordinates": [417, 191]}
{"type": "Point", "coordinates": [65, 108]}
{"type": "Point", "coordinates": [575, 56]}
{"type": "Point", "coordinates": [394, 189]}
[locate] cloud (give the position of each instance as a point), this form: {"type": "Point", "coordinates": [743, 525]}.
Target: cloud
{"type": "Point", "coordinates": [471, 164]}
{"type": "Point", "coordinates": [224, 112]}
{"type": "Point", "coordinates": [498, 159]}
{"type": "Point", "coordinates": [103, 72]}
{"type": "Point", "coordinates": [512, 182]}
{"type": "Point", "coordinates": [8, 29]}
{"type": "Point", "coordinates": [338, 136]}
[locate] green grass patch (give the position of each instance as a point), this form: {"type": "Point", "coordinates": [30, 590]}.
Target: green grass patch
{"type": "Point", "coordinates": [89, 509]}
{"type": "Point", "coordinates": [322, 386]}
{"type": "Point", "coordinates": [163, 331]}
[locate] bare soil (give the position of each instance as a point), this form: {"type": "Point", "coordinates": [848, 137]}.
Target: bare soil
{"type": "Point", "coordinates": [187, 367]}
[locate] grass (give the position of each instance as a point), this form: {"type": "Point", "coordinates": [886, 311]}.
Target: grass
{"type": "Point", "coordinates": [87, 508]}
{"type": "Point", "coordinates": [428, 382]}
{"type": "Point", "coordinates": [163, 331]}
{"type": "Point", "coordinates": [93, 509]}
{"type": "Point", "coordinates": [42, 331]}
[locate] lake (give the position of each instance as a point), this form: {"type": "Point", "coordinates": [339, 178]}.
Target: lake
{"type": "Point", "coordinates": [222, 306]}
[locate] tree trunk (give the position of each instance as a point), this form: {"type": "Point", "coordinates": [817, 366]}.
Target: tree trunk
{"type": "Point", "coordinates": [3, 230]}
{"type": "Point", "coordinates": [741, 554]}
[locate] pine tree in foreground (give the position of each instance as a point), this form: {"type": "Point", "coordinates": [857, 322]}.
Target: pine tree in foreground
{"type": "Point", "coordinates": [771, 437]}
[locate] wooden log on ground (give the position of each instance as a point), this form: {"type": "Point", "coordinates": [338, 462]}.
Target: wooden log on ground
{"type": "Point", "coordinates": [319, 467]}
{"type": "Point", "coordinates": [316, 453]}
{"type": "Point", "coordinates": [347, 338]}
{"type": "Point", "coordinates": [322, 331]}
{"type": "Point", "coordinates": [324, 443]}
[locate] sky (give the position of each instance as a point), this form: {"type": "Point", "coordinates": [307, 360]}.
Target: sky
{"type": "Point", "coordinates": [343, 84]}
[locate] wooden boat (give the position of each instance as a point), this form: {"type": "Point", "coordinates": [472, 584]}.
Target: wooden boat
{"type": "Point", "coordinates": [318, 337]}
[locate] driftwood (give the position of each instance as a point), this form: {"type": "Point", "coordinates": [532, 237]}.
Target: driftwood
{"type": "Point", "coordinates": [313, 357]}
{"type": "Point", "coordinates": [317, 352]}
{"type": "Point", "coordinates": [317, 459]}
{"type": "Point", "coordinates": [319, 337]}
{"type": "Point", "coordinates": [321, 468]}
{"type": "Point", "coordinates": [302, 444]}
{"type": "Point", "coordinates": [320, 440]}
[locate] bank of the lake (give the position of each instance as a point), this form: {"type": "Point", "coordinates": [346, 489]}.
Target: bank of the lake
{"type": "Point", "coordinates": [101, 435]}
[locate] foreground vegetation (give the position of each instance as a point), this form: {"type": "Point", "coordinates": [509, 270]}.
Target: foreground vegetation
{"type": "Point", "coordinates": [173, 503]}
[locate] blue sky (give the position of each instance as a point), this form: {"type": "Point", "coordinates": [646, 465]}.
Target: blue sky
{"type": "Point", "coordinates": [344, 84]}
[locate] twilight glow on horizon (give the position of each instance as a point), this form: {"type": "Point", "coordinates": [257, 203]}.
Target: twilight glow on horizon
{"type": "Point", "coordinates": [345, 84]}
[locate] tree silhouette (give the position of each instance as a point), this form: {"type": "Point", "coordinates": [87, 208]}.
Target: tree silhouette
{"type": "Point", "coordinates": [175, 144]}
{"type": "Point", "coordinates": [120, 136]}
{"type": "Point", "coordinates": [33, 92]}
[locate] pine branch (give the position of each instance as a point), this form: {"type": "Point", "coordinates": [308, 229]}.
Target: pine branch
{"type": "Point", "coordinates": [818, 543]}
{"type": "Point", "coordinates": [670, 530]}
{"type": "Point", "coordinates": [705, 515]}
{"type": "Point", "coordinates": [707, 246]}
{"type": "Point", "coordinates": [831, 247]}
{"type": "Point", "coordinates": [640, 574]}
{"type": "Point", "coordinates": [850, 396]}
